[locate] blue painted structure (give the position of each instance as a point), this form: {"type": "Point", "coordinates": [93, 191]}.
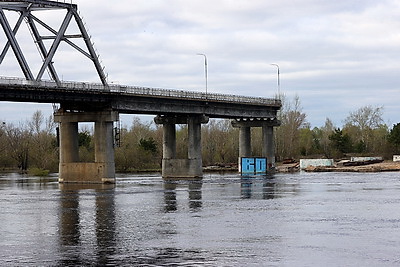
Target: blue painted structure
{"type": "Point", "coordinates": [253, 165]}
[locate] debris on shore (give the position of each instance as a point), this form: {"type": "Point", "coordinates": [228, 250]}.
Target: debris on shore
{"type": "Point", "coordinates": [372, 167]}
{"type": "Point", "coordinates": [358, 161]}
{"type": "Point", "coordinates": [288, 167]}
{"type": "Point", "coordinates": [355, 164]}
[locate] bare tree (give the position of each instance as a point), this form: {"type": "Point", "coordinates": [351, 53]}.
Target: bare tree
{"type": "Point", "coordinates": [292, 119]}
{"type": "Point", "coordinates": [365, 120]}
{"type": "Point", "coordinates": [18, 141]}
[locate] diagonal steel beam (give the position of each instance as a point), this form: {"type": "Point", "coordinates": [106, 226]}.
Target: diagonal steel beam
{"type": "Point", "coordinates": [55, 44]}
{"type": "Point", "coordinates": [42, 49]}
{"type": "Point", "coordinates": [25, 8]}
{"type": "Point", "coordinates": [65, 37]}
{"type": "Point", "coordinates": [14, 45]}
{"type": "Point", "coordinates": [90, 48]}
{"type": "Point", "coordinates": [16, 28]}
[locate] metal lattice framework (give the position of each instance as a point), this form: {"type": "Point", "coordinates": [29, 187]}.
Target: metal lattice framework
{"type": "Point", "coordinates": [25, 9]}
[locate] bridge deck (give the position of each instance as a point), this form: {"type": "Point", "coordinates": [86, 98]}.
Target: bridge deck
{"type": "Point", "coordinates": [133, 99]}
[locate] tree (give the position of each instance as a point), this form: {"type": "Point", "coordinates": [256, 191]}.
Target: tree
{"type": "Point", "coordinates": [394, 137]}
{"type": "Point", "coordinates": [148, 145]}
{"type": "Point", "coordinates": [139, 147]}
{"type": "Point", "coordinates": [43, 152]}
{"type": "Point", "coordinates": [323, 138]}
{"type": "Point", "coordinates": [364, 121]}
{"type": "Point", "coordinates": [18, 141]}
{"type": "Point", "coordinates": [219, 142]}
{"type": "Point", "coordinates": [292, 119]}
{"type": "Point", "coordinates": [341, 141]}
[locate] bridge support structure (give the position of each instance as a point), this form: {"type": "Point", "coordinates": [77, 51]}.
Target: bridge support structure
{"type": "Point", "coordinates": [268, 146]}
{"type": "Point", "coordinates": [71, 170]}
{"type": "Point", "coordinates": [172, 167]}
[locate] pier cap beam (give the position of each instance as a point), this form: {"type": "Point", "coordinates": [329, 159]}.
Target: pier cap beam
{"type": "Point", "coordinates": [257, 122]}
{"type": "Point", "coordinates": [92, 116]}
{"type": "Point", "coordinates": [180, 119]}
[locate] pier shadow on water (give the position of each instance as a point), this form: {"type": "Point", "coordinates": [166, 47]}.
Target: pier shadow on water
{"type": "Point", "coordinates": [99, 227]}
{"type": "Point", "coordinates": [76, 239]}
{"type": "Point", "coordinates": [171, 188]}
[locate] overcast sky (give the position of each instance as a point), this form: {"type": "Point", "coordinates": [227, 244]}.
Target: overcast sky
{"type": "Point", "coordinates": [337, 56]}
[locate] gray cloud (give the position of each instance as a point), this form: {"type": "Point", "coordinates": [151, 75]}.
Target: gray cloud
{"type": "Point", "coordinates": [335, 55]}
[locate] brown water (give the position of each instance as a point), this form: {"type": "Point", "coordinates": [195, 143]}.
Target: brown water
{"type": "Point", "coordinates": [305, 219]}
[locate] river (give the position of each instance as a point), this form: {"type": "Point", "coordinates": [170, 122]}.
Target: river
{"type": "Point", "coordinates": [300, 219]}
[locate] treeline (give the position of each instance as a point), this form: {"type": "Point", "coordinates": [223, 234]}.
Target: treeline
{"type": "Point", "coordinates": [34, 145]}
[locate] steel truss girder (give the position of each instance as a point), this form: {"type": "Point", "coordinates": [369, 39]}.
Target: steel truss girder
{"type": "Point", "coordinates": [25, 9]}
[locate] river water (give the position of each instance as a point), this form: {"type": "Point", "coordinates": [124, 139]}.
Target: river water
{"type": "Point", "coordinates": [301, 219]}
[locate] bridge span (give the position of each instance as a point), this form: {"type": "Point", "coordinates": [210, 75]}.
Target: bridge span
{"type": "Point", "coordinates": [137, 100]}
{"type": "Point", "coordinates": [102, 103]}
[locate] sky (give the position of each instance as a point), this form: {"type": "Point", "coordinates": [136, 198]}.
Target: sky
{"type": "Point", "coordinates": [336, 56]}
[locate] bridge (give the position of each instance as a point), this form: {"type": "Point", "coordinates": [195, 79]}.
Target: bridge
{"type": "Point", "coordinates": [102, 103]}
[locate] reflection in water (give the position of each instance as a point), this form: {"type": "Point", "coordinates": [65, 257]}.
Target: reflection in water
{"type": "Point", "coordinates": [195, 202]}
{"type": "Point", "coordinates": [72, 236]}
{"type": "Point", "coordinates": [170, 196]}
{"type": "Point", "coordinates": [194, 188]}
{"type": "Point", "coordinates": [256, 186]}
{"type": "Point", "coordinates": [69, 217]}
{"type": "Point", "coordinates": [105, 224]}
{"type": "Point", "coordinates": [314, 218]}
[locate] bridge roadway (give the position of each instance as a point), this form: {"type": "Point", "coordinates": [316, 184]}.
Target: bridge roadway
{"type": "Point", "coordinates": [137, 100]}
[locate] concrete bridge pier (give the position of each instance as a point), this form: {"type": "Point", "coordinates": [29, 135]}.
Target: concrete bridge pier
{"type": "Point", "coordinates": [192, 167]}
{"type": "Point", "coordinates": [268, 146]}
{"type": "Point", "coordinates": [71, 170]}
{"type": "Point", "coordinates": [244, 141]}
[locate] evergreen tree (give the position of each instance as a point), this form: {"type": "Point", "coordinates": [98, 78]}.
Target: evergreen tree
{"type": "Point", "coordinates": [394, 137]}
{"type": "Point", "coordinates": [341, 141]}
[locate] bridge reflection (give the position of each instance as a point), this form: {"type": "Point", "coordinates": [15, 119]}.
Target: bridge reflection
{"type": "Point", "coordinates": [171, 187]}
{"type": "Point", "coordinates": [73, 225]}
{"type": "Point", "coordinates": [265, 187]}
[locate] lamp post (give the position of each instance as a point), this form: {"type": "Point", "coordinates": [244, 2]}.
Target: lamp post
{"type": "Point", "coordinates": [205, 70]}
{"type": "Point", "coordinates": [279, 83]}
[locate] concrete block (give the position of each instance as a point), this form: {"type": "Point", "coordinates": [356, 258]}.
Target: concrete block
{"type": "Point", "coordinates": [396, 157]}
{"type": "Point", "coordinates": [182, 168]}
{"type": "Point", "coordinates": [87, 173]}
{"type": "Point", "coordinates": [304, 163]}
{"type": "Point", "coordinates": [358, 159]}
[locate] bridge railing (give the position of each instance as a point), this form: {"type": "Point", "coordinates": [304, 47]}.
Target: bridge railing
{"type": "Point", "coordinates": [141, 91]}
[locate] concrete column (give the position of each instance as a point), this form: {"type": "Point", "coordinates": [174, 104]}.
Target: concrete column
{"type": "Point", "coordinates": [104, 149]}
{"type": "Point", "coordinates": [169, 141]}
{"type": "Point", "coordinates": [244, 142]}
{"type": "Point", "coordinates": [69, 147]}
{"type": "Point", "coordinates": [103, 141]}
{"type": "Point", "coordinates": [268, 149]}
{"type": "Point", "coordinates": [194, 147]}
{"type": "Point", "coordinates": [194, 138]}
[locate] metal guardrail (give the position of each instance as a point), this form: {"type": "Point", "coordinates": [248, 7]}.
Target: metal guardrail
{"type": "Point", "coordinates": [142, 91]}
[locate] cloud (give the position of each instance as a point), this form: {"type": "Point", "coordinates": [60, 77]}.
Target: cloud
{"type": "Point", "coordinates": [335, 55]}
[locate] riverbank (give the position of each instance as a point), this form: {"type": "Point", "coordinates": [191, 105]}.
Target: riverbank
{"type": "Point", "coordinates": [387, 166]}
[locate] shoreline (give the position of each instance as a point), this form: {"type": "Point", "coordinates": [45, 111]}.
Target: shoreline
{"type": "Point", "coordinates": [388, 166]}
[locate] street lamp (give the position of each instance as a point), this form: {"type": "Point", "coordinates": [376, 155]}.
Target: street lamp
{"type": "Point", "coordinates": [205, 70]}
{"type": "Point", "coordinates": [279, 83]}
